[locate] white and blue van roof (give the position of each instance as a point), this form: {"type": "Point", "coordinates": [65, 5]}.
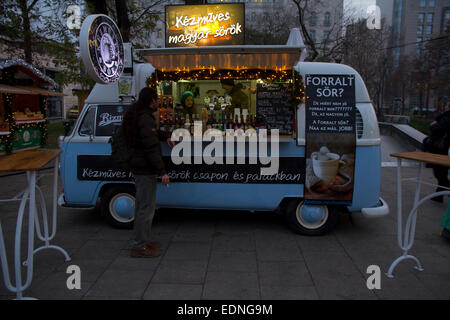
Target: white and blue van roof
{"type": "Point", "coordinates": [367, 125]}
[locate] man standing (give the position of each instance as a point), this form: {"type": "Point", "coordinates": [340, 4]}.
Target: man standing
{"type": "Point", "coordinates": [146, 163]}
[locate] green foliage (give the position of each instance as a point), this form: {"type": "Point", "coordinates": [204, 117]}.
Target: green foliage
{"type": "Point", "coordinates": [50, 36]}
{"type": "Point", "coordinates": [54, 130]}
{"type": "Point", "coordinates": [423, 125]}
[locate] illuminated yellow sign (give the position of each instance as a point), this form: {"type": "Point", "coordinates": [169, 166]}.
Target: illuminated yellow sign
{"type": "Point", "coordinates": [205, 25]}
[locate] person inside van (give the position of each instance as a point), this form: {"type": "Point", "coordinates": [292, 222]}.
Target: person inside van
{"type": "Point", "coordinates": [239, 99]}
{"type": "Point", "coordinates": [187, 102]}
{"type": "Point", "coordinates": [146, 163]}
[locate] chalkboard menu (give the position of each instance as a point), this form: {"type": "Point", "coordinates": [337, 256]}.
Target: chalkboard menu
{"type": "Point", "coordinates": [274, 101]}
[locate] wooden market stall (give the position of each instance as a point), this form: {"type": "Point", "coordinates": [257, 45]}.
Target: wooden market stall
{"type": "Point", "coordinates": [23, 106]}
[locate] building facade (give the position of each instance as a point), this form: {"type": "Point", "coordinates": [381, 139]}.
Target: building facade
{"type": "Point", "coordinates": [414, 24]}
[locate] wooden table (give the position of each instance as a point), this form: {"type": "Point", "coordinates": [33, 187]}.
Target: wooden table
{"type": "Point", "coordinates": [30, 162]}
{"type": "Point", "coordinates": [407, 241]}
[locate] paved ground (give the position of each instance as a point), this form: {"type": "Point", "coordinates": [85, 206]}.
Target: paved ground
{"type": "Point", "coordinates": [238, 255]}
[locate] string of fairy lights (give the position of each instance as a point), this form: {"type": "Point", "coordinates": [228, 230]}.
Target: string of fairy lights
{"type": "Point", "coordinates": [16, 127]}
{"type": "Point", "coordinates": [265, 75]}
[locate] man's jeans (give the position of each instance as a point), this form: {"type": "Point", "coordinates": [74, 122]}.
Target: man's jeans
{"type": "Point", "coordinates": [144, 209]}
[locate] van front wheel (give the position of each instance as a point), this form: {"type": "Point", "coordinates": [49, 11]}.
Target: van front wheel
{"type": "Point", "coordinates": [117, 206]}
{"type": "Point", "coordinates": [311, 220]}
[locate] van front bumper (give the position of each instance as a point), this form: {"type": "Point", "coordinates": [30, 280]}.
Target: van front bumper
{"type": "Point", "coordinates": [380, 210]}
{"type": "Point", "coordinates": [63, 204]}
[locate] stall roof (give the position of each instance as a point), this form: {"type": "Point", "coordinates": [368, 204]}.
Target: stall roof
{"type": "Point", "coordinates": [277, 57]}
{"type": "Point", "coordinates": [30, 71]}
{"type": "Point", "coordinates": [28, 90]}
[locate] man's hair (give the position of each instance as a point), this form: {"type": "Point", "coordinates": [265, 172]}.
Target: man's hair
{"type": "Point", "coordinates": [129, 122]}
{"type": "Point", "coordinates": [229, 82]}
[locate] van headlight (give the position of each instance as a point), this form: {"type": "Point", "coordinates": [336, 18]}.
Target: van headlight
{"type": "Point", "coordinates": [60, 141]}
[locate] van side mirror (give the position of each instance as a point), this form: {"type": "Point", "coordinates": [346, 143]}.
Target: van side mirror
{"type": "Point", "coordinates": [86, 131]}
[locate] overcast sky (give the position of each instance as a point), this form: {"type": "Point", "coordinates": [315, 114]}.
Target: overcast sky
{"type": "Point", "coordinates": [360, 6]}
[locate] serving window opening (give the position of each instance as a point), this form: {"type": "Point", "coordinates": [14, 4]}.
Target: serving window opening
{"type": "Point", "coordinates": [228, 99]}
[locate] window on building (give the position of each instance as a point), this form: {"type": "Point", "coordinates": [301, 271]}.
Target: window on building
{"type": "Point", "coordinates": [421, 18]}
{"type": "Point", "coordinates": [432, 3]}
{"type": "Point", "coordinates": [159, 33]}
{"type": "Point", "coordinates": [312, 33]}
{"type": "Point", "coordinates": [54, 107]}
{"type": "Point", "coordinates": [429, 29]}
{"type": "Point", "coordinates": [418, 52]}
{"type": "Point", "coordinates": [312, 19]}
{"type": "Point", "coordinates": [423, 3]}
{"type": "Point", "coordinates": [327, 19]}
{"type": "Point", "coordinates": [419, 40]}
{"type": "Point", "coordinates": [429, 18]}
{"type": "Point", "coordinates": [446, 19]}
{"type": "Point", "coordinates": [326, 35]}
{"type": "Point", "coordinates": [419, 29]}
{"type": "Point", "coordinates": [253, 16]}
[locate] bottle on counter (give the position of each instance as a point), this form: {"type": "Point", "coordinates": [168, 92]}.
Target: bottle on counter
{"type": "Point", "coordinates": [209, 122]}
{"type": "Point", "coordinates": [192, 127]}
{"type": "Point", "coordinates": [220, 124]}
{"type": "Point", "coordinates": [166, 123]}
{"type": "Point", "coordinates": [229, 124]}
{"type": "Point", "coordinates": [187, 124]}
{"type": "Point", "coordinates": [248, 124]}
{"type": "Point", "coordinates": [236, 122]}
{"type": "Point", "coordinates": [161, 120]}
{"type": "Point", "coordinates": [242, 123]}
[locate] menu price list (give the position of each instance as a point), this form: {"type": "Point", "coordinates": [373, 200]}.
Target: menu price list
{"type": "Point", "coordinates": [274, 102]}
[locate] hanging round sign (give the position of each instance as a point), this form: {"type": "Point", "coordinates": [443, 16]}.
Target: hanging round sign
{"type": "Point", "coordinates": [102, 49]}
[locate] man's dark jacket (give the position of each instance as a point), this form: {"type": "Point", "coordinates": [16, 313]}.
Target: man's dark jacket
{"type": "Point", "coordinates": [442, 129]}
{"type": "Point", "coordinates": [146, 158]}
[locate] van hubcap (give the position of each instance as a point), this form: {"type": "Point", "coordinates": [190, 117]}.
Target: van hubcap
{"type": "Point", "coordinates": [312, 216]}
{"type": "Point", "coordinates": [122, 207]}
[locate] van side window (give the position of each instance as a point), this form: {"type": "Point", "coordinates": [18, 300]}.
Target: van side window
{"type": "Point", "coordinates": [109, 117]}
{"type": "Point", "coordinates": [87, 126]}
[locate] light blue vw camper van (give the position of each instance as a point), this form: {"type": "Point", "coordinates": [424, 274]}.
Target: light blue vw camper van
{"type": "Point", "coordinates": [89, 174]}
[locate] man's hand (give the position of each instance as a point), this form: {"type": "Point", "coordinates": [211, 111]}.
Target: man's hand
{"type": "Point", "coordinates": [170, 143]}
{"type": "Point", "coordinates": [165, 180]}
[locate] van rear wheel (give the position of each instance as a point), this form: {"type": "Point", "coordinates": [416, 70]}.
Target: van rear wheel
{"type": "Point", "coordinates": [117, 206]}
{"type": "Point", "coordinates": [311, 220]}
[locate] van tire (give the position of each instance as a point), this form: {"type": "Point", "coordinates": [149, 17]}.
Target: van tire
{"type": "Point", "coordinates": [110, 199]}
{"type": "Point", "coordinates": [326, 219]}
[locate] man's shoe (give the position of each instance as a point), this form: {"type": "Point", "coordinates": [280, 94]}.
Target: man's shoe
{"type": "Point", "coordinates": [145, 253]}
{"type": "Point", "coordinates": [153, 245]}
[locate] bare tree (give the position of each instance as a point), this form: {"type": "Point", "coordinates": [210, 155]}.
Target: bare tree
{"type": "Point", "coordinates": [16, 22]}
{"type": "Point", "coordinates": [364, 50]}
{"type": "Point", "coordinates": [134, 17]}
{"type": "Point", "coordinates": [399, 83]}
{"type": "Point", "coordinates": [331, 46]}
{"type": "Point", "coordinates": [303, 11]}
{"type": "Point", "coordinates": [433, 66]}
{"type": "Point", "coordinates": [269, 28]}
